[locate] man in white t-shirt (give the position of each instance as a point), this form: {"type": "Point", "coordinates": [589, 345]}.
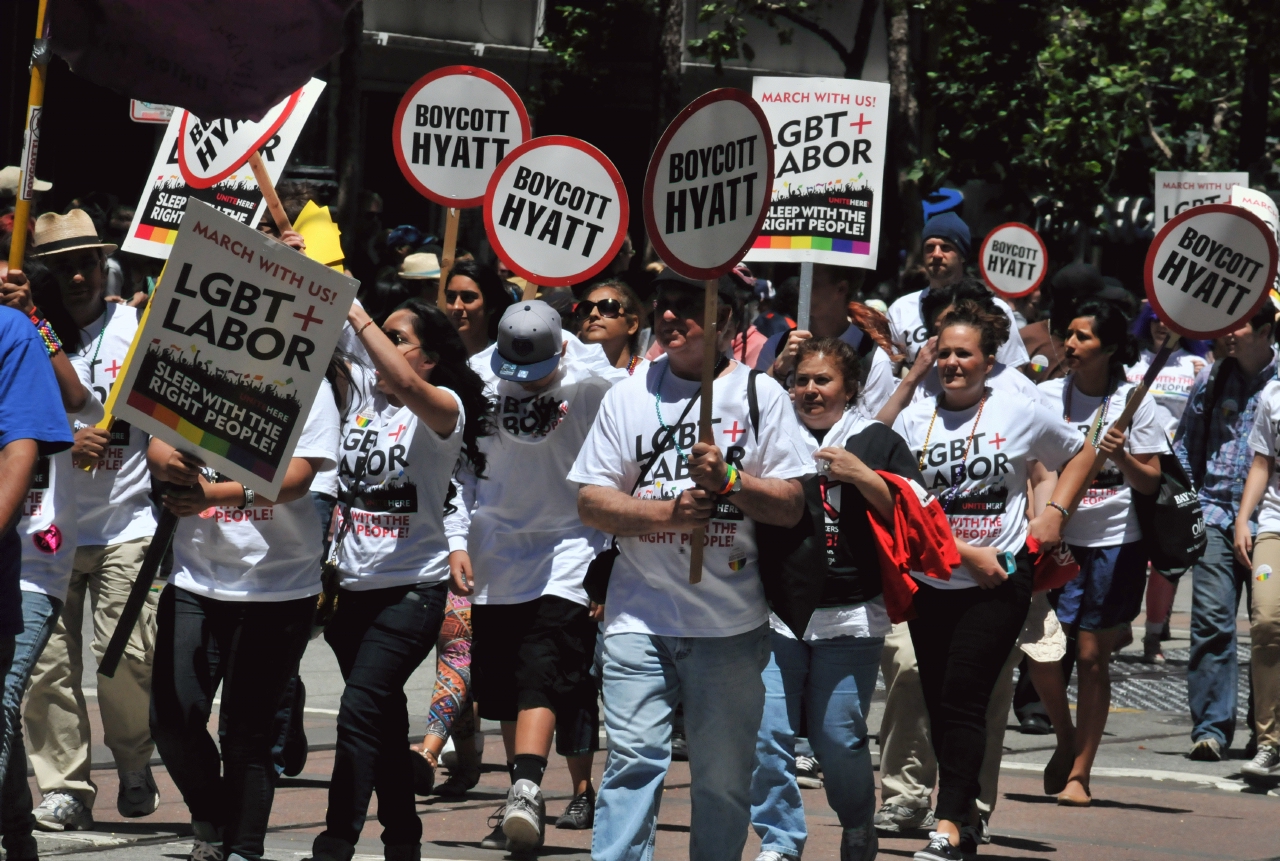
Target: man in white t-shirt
{"type": "Point", "coordinates": [519, 549]}
{"type": "Point", "coordinates": [646, 478]}
{"type": "Point", "coordinates": [946, 250]}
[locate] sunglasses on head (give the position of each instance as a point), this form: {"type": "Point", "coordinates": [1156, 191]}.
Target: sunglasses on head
{"type": "Point", "coordinates": [467, 296]}
{"type": "Point", "coordinates": [609, 308]}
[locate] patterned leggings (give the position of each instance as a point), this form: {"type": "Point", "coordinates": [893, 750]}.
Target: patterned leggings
{"type": "Point", "coordinates": [451, 700]}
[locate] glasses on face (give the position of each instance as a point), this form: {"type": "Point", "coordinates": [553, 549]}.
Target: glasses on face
{"type": "Point", "coordinates": [468, 297]}
{"type": "Point", "coordinates": [69, 265]}
{"type": "Point", "coordinates": [607, 308]}
{"type": "Point", "coordinates": [687, 306]}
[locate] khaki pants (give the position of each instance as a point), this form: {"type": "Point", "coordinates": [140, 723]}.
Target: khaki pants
{"type": "Point", "coordinates": [1264, 631]}
{"type": "Point", "coordinates": [56, 717]}
{"type": "Point", "coordinates": [908, 770]}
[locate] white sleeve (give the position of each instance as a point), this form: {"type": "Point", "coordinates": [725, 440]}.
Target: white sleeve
{"type": "Point", "coordinates": [781, 451]}
{"type": "Point", "coordinates": [1146, 432]}
{"type": "Point", "coordinates": [1262, 438]}
{"type": "Point", "coordinates": [321, 435]}
{"type": "Point", "coordinates": [457, 524]}
{"type": "Point", "coordinates": [880, 385]}
{"type": "Point", "coordinates": [603, 458]}
{"type": "Point", "coordinates": [1056, 442]}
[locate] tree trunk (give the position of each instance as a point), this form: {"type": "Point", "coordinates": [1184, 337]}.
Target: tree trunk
{"type": "Point", "coordinates": [904, 127]}
{"type": "Point", "coordinates": [861, 39]}
{"type": "Point", "coordinates": [671, 56]}
{"type": "Point", "coordinates": [1251, 155]}
{"type": "Point", "coordinates": [350, 126]}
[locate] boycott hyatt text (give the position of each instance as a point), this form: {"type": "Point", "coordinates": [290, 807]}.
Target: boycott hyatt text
{"type": "Point", "coordinates": [559, 191]}
{"type": "Point", "coordinates": [466, 148]}
{"type": "Point", "coordinates": [704, 163]}
{"type": "Point", "coordinates": [1216, 255]}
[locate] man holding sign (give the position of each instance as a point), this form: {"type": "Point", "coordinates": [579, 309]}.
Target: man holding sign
{"type": "Point", "coordinates": [646, 479]}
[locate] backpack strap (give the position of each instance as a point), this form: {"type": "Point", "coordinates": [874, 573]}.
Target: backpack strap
{"type": "Point", "coordinates": [1214, 387]}
{"type": "Point", "coordinates": [753, 404]}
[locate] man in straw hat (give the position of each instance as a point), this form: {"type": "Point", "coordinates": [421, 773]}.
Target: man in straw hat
{"type": "Point", "coordinates": [420, 274]}
{"type": "Point", "coordinates": [116, 523]}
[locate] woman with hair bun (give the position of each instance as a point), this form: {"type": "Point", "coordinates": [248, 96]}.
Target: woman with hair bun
{"type": "Point", "coordinates": [1103, 535]}
{"type": "Point", "coordinates": [973, 445]}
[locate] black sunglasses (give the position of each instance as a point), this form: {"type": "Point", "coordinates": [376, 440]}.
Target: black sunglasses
{"type": "Point", "coordinates": [467, 296]}
{"type": "Point", "coordinates": [687, 305]}
{"type": "Point", "coordinates": [609, 308]}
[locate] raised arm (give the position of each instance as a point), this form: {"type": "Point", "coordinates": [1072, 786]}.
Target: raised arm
{"type": "Point", "coordinates": [435, 407]}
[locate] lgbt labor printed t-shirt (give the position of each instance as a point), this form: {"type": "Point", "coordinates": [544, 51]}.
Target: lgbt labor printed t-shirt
{"type": "Point", "coordinates": [264, 552]}
{"type": "Point", "coordinates": [649, 592]}
{"type": "Point", "coordinates": [398, 469]}
{"type": "Point", "coordinates": [984, 490]}
{"type": "Point", "coordinates": [1106, 516]}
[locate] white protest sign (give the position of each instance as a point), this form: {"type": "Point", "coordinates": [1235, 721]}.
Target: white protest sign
{"type": "Point", "coordinates": [234, 346]}
{"type": "Point", "coordinates": [209, 150]}
{"type": "Point", "coordinates": [1013, 260]}
{"type": "Point", "coordinates": [164, 198]}
{"type": "Point", "coordinates": [556, 211]}
{"type": "Point", "coordinates": [708, 180]}
{"type": "Point", "coordinates": [1210, 269]}
{"type": "Point", "coordinates": [452, 129]}
{"type": "Point", "coordinates": [1259, 204]}
{"type": "Point", "coordinates": [1178, 191]}
{"type": "Point", "coordinates": [830, 136]}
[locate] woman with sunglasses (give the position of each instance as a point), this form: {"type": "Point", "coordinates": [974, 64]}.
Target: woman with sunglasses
{"type": "Point", "coordinates": [476, 299]}
{"type": "Point", "coordinates": [610, 315]}
{"type": "Point", "coordinates": [411, 419]}
{"type": "Point", "coordinates": [974, 443]}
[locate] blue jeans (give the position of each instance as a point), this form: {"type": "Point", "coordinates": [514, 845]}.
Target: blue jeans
{"type": "Point", "coordinates": [1216, 584]}
{"type": "Point", "coordinates": [833, 680]}
{"type": "Point", "coordinates": [718, 680]}
{"type": "Point", "coordinates": [39, 612]}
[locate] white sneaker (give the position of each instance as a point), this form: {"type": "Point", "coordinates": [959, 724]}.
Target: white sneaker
{"type": "Point", "coordinates": [808, 773]}
{"type": "Point", "coordinates": [138, 795]}
{"type": "Point", "coordinates": [1265, 764]}
{"type": "Point", "coordinates": [62, 811]}
{"type": "Point", "coordinates": [770, 855]}
{"type": "Point", "coordinates": [524, 821]}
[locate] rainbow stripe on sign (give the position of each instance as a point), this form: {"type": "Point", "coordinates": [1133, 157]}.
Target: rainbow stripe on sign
{"type": "Point", "coordinates": [151, 233]}
{"type": "Point", "coordinates": [238, 455]}
{"type": "Point", "coordinates": [816, 243]}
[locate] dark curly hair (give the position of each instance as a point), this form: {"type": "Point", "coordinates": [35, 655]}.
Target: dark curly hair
{"type": "Point", "coordinates": [845, 358]}
{"type": "Point", "coordinates": [440, 339]}
{"type": "Point", "coordinates": [496, 296]}
{"type": "Point", "coordinates": [993, 325]}
{"type": "Point", "coordinates": [1111, 328]}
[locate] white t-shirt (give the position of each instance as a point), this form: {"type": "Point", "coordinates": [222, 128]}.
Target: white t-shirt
{"type": "Point", "coordinates": [1106, 516]}
{"type": "Point", "coordinates": [649, 592]}
{"type": "Point", "coordinates": [401, 470]}
{"type": "Point", "coordinates": [113, 499]}
{"type": "Point", "coordinates": [870, 618]}
{"type": "Point", "coordinates": [1262, 439]}
{"type": "Point", "coordinates": [48, 527]}
{"type": "Point", "coordinates": [351, 348]}
{"type": "Point", "coordinates": [267, 552]}
{"type": "Point", "coordinates": [520, 521]}
{"type": "Point", "coordinates": [988, 508]}
{"type": "Point", "coordinates": [1172, 386]}
{"type": "Point", "coordinates": [1001, 378]}
{"type": "Point", "coordinates": [906, 327]}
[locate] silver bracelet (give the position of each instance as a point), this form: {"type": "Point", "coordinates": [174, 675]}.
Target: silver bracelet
{"type": "Point", "coordinates": [248, 497]}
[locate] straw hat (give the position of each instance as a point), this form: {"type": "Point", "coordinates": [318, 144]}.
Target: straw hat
{"type": "Point", "coordinates": [11, 175]}
{"type": "Point", "coordinates": [71, 232]}
{"type": "Point", "coordinates": [420, 267]}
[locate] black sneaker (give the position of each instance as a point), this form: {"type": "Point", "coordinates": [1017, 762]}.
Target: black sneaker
{"type": "Point", "coordinates": [497, 838]}
{"type": "Point", "coordinates": [939, 849]}
{"type": "Point", "coordinates": [581, 812]}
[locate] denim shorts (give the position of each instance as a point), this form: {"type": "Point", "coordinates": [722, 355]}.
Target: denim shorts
{"type": "Point", "coordinates": [1108, 591]}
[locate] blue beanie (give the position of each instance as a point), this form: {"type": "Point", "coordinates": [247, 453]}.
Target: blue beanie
{"type": "Point", "coordinates": [951, 227]}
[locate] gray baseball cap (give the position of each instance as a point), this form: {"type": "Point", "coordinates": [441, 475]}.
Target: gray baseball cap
{"type": "Point", "coordinates": [529, 342]}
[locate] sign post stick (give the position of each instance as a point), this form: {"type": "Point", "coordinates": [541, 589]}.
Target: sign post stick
{"type": "Point", "coordinates": [530, 290]}
{"type": "Point", "coordinates": [1126, 416]}
{"type": "Point", "coordinates": [452, 215]}
{"type": "Point", "coordinates": [710, 349]}
{"type": "Point", "coordinates": [806, 293]}
{"type": "Point", "coordinates": [35, 106]}
{"type": "Point", "coordinates": [269, 192]}
{"type": "Point", "coordinates": [166, 525]}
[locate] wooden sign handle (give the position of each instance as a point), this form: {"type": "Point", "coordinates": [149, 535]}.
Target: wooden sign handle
{"type": "Point", "coordinates": [710, 348]}
{"type": "Point", "coordinates": [269, 193]}
{"type": "Point", "coordinates": [446, 260]}
{"type": "Point", "coordinates": [35, 103]}
{"type": "Point", "coordinates": [530, 290]}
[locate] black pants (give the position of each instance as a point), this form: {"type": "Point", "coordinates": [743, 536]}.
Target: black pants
{"type": "Point", "coordinates": [962, 639]}
{"type": "Point", "coordinates": [251, 648]}
{"type": "Point", "coordinates": [379, 637]}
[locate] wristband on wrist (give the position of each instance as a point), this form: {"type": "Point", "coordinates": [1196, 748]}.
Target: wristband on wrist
{"type": "Point", "coordinates": [1066, 515]}
{"type": "Point", "coordinates": [360, 331]}
{"type": "Point", "coordinates": [730, 476]}
{"type": "Point", "coordinates": [248, 497]}
{"type": "Point", "coordinates": [47, 335]}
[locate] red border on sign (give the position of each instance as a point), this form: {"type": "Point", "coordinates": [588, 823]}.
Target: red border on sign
{"type": "Point", "coordinates": [1148, 268]}
{"type": "Point", "coordinates": [403, 107]}
{"type": "Point", "coordinates": [651, 176]}
{"type": "Point", "coordinates": [195, 182]}
{"type": "Point", "coordinates": [624, 206]}
{"type": "Point", "coordinates": [982, 255]}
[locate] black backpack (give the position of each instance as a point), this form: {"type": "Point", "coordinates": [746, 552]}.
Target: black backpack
{"type": "Point", "coordinates": [1172, 521]}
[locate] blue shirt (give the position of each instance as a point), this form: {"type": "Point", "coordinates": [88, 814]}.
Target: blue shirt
{"type": "Point", "coordinates": [30, 408]}
{"type": "Point", "coordinates": [1224, 443]}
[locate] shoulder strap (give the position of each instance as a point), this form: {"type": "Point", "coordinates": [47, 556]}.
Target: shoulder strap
{"type": "Point", "coordinates": [753, 404]}
{"type": "Point", "coordinates": [657, 451]}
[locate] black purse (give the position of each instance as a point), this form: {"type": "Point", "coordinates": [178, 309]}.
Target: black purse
{"type": "Point", "coordinates": [1172, 521]}
{"type": "Point", "coordinates": [330, 576]}
{"type": "Point", "coordinates": [596, 581]}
